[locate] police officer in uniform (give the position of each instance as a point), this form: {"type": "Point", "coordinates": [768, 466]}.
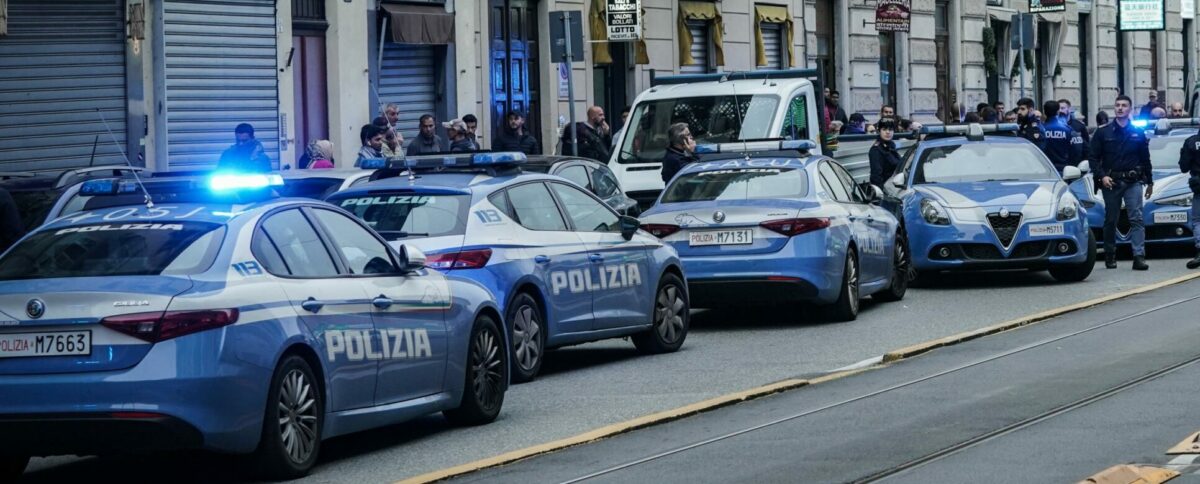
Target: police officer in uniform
{"type": "Point", "coordinates": [1030, 126]}
{"type": "Point", "coordinates": [1058, 137]}
{"type": "Point", "coordinates": [1189, 162]}
{"type": "Point", "coordinates": [1121, 156]}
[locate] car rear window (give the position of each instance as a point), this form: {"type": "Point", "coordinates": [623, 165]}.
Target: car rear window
{"type": "Point", "coordinates": [400, 215]}
{"type": "Point", "coordinates": [33, 205]}
{"type": "Point", "coordinates": [738, 184]}
{"type": "Point", "coordinates": [114, 249]}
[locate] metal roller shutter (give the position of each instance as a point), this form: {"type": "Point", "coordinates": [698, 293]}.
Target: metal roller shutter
{"type": "Point", "coordinates": [407, 79]}
{"type": "Point", "coordinates": [220, 71]}
{"type": "Point", "coordinates": [772, 45]}
{"type": "Point", "coordinates": [60, 62]}
{"type": "Point", "coordinates": [700, 48]}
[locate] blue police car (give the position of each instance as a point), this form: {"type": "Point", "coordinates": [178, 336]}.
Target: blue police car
{"type": "Point", "coordinates": [762, 223]}
{"type": "Point", "coordinates": [244, 325]}
{"type": "Point", "coordinates": [974, 201]}
{"type": "Point", "coordinates": [564, 266]}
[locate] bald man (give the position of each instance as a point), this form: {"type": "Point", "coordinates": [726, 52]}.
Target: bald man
{"type": "Point", "coordinates": [1177, 111]}
{"type": "Point", "coordinates": [594, 136]}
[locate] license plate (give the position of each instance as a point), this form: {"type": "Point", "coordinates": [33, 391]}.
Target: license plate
{"type": "Point", "coordinates": [1171, 217]}
{"type": "Point", "coordinates": [60, 343]}
{"type": "Point", "coordinates": [1044, 230]}
{"type": "Point", "coordinates": [721, 237]}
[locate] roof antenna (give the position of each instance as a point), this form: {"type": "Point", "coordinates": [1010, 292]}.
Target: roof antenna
{"type": "Point", "coordinates": [133, 169]}
{"type": "Point", "coordinates": [92, 160]}
{"type": "Point", "coordinates": [738, 110]}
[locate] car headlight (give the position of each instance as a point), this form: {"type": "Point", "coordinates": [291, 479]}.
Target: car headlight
{"type": "Point", "coordinates": [1184, 200]}
{"type": "Point", "coordinates": [933, 213]}
{"type": "Point", "coordinates": [1068, 207]}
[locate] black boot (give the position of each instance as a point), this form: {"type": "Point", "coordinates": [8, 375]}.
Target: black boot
{"type": "Point", "coordinates": [1194, 263]}
{"type": "Point", "coordinates": [1139, 263]}
{"type": "Point", "coordinates": [1110, 261]}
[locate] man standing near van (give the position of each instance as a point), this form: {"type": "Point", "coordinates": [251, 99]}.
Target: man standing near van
{"type": "Point", "coordinates": [680, 153]}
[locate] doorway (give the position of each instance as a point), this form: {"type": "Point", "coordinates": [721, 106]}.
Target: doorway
{"type": "Point", "coordinates": [941, 19]}
{"type": "Point", "coordinates": [515, 66]}
{"type": "Point", "coordinates": [611, 82]}
{"type": "Point", "coordinates": [309, 74]}
{"type": "Point", "coordinates": [826, 57]}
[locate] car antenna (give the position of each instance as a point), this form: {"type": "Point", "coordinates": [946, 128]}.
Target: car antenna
{"type": "Point", "coordinates": [132, 169]}
{"type": "Point", "coordinates": [738, 110]}
{"type": "Point", "coordinates": [92, 160]}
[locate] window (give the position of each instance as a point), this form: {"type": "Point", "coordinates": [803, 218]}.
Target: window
{"type": "Point", "coordinates": [577, 174]}
{"type": "Point", "coordinates": [500, 200]}
{"type": "Point", "coordinates": [712, 119]}
{"type": "Point", "coordinates": [772, 34]}
{"type": "Point", "coordinates": [34, 205]}
{"type": "Point", "coordinates": [974, 162]}
{"type": "Point", "coordinates": [743, 184]}
{"type": "Point", "coordinates": [795, 122]}
{"type": "Point", "coordinates": [700, 48]}
{"type": "Point", "coordinates": [833, 184]}
{"type": "Point", "coordinates": [856, 194]}
{"type": "Point", "coordinates": [363, 252]}
{"type": "Point", "coordinates": [585, 212]}
{"type": "Point", "coordinates": [266, 253]}
{"type": "Point", "coordinates": [299, 245]}
{"type": "Point", "coordinates": [315, 188]}
{"type": "Point", "coordinates": [399, 215]}
{"type": "Point", "coordinates": [535, 207]}
{"type": "Point", "coordinates": [606, 183]}
{"type": "Point", "coordinates": [83, 251]}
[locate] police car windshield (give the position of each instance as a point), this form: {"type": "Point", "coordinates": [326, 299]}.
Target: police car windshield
{"type": "Point", "coordinates": [737, 184]}
{"type": "Point", "coordinates": [711, 119]}
{"type": "Point", "coordinates": [975, 162]}
{"type": "Point", "coordinates": [402, 215]}
{"type": "Point", "coordinates": [114, 249]}
{"type": "Point", "coordinates": [1164, 152]}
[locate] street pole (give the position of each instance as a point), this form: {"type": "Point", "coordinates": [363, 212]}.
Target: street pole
{"type": "Point", "coordinates": [566, 20]}
{"type": "Point", "coordinates": [1021, 42]}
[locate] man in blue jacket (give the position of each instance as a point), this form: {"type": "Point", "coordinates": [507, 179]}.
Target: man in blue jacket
{"type": "Point", "coordinates": [1120, 154]}
{"type": "Point", "coordinates": [1058, 137]}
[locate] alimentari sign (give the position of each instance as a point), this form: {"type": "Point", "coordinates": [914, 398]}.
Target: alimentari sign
{"type": "Point", "coordinates": [892, 16]}
{"type": "Point", "coordinates": [624, 19]}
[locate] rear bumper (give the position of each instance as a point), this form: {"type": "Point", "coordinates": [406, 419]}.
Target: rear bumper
{"type": "Point", "coordinates": [54, 434]}
{"type": "Point", "coordinates": [724, 292]}
{"type": "Point", "coordinates": [805, 269]}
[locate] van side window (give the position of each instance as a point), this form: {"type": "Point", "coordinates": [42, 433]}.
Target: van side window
{"type": "Point", "coordinates": [795, 124]}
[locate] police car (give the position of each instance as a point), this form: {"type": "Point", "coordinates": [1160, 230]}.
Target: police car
{"type": "Point", "coordinates": [38, 194]}
{"type": "Point", "coordinates": [564, 266]}
{"type": "Point", "coordinates": [974, 201]}
{"type": "Point", "coordinates": [761, 223]}
{"type": "Point", "coordinates": [246, 324]}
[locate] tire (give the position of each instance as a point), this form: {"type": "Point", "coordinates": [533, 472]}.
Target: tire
{"type": "Point", "coordinates": [486, 379]}
{"type": "Point", "coordinates": [846, 306]}
{"type": "Point", "coordinates": [528, 331]}
{"type": "Point", "coordinates": [671, 318]}
{"type": "Point", "coordinates": [289, 449]}
{"type": "Point", "coordinates": [1080, 271]}
{"type": "Point", "coordinates": [12, 467]}
{"type": "Point", "coordinates": [901, 265]}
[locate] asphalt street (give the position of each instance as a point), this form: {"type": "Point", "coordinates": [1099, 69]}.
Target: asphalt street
{"type": "Point", "coordinates": [1055, 402]}
{"type": "Point", "coordinates": [590, 386]}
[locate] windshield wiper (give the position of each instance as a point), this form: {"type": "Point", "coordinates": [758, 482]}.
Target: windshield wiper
{"type": "Point", "coordinates": [1001, 179]}
{"type": "Point", "coordinates": [400, 234]}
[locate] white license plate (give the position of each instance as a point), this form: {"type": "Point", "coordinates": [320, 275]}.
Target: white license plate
{"type": "Point", "coordinates": [1170, 218]}
{"type": "Point", "coordinates": [59, 343]}
{"type": "Point", "coordinates": [1044, 230]}
{"type": "Point", "coordinates": [721, 237]}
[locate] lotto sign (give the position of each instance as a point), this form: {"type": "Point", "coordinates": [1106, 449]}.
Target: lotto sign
{"type": "Point", "coordinates": [1141, 15]}
{"type": "Point", "coordinates": [624, 19]}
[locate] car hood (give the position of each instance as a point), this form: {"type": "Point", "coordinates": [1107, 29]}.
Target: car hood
{"type": "Point", "coordinates": [1011, 195]}
{"type": "Point", "coordinates": [1171, 183]}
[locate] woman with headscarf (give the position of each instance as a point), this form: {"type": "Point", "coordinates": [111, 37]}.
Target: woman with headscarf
{"type": "Point", "coordinates": [320, 152]}
{"type": "Point", "coordinates": [884, 157]}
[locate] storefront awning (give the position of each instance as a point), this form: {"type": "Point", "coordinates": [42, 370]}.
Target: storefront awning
{"type": "Point", "coordinates": [418, 24]}
{"type": "Point", "coordinates": [691, 10]}
{"type": "Point", "coordinates": [598, 33]}
{"type": "Point", "coordinates": [773, 14]}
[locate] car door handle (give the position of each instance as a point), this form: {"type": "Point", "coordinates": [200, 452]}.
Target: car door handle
{"type": "Point", "coordinates": [595, 257]}
{"type": "Point", "coordinates": [541, 259]}
{"type": "Point", "coordinates": [312, 305]}
{"type": "Point", "coordinates": [381, 302]}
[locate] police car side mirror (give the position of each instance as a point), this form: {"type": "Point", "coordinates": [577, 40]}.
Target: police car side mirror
{"type": "Point", "coordinates": [411, 259]}
{"type": "Point", "coordinates": [898, 180]}
{"type": "Point", "coordinates": [629, 226]}
{"type": "Point", "coordinates": [1071, 174]}
{"type": "Point", "coordinates": [1085, 166]}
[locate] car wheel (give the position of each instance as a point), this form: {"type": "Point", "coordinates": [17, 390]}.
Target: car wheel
{"type": "Point", "coordinates": [901, 265]}
{"type": "Point", "coordinates": [846, 306]}
{"type": "Point", "coordinates": [12, 467]}
{"type": "Point", "coordinates": [291, 435]}
{"type": "Point", "coordinates": [485, 380]}
{"type": "Point", "coordinates": [528, 337]}
{"type": "Point", "coordinates": [1080, 271]}
{"type": "Point", "coordinates": [671, 318]}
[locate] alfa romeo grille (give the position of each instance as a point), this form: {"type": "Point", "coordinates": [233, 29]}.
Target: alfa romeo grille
{"type": "Point", "coordinates": [1005, 227]}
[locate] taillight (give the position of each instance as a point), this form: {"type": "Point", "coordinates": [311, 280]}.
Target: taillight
{"type": "Point", "coordinates": [795, 226]}
{"type": "Point", "coordinates": [467, 259]}
{"type": "Point", "coordinates": [161, 326]}
{"type": "Point", "coordinates": [660, 230]}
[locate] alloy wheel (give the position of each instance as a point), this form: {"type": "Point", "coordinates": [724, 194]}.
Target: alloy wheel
{"type": "Point", "coordinates": [527, 338]}
{"type": "Point", "coordinates": [487, 380]}
{"type": "Point", "coordinates": [298, 416]}
{"type": "Point", "coordinates": [668, 314]}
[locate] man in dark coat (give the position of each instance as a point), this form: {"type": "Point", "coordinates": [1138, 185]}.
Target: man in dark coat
{"type": "Point", "coordinates": [246, 154]}
{"type": "Point", "coordinates": [680, 153]}
{"type": "Point", "coordinates": [514, 138]}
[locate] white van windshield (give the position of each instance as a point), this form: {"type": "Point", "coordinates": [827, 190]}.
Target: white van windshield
{"type": "Point", "coordinates": [711, 119]}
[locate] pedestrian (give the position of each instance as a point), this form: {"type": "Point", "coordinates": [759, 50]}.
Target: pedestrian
{"type": "Point", "coordinates": [472, 124]}
{"type": "Point", "coordinates": [1177, 111]}
{"type": "Point", "coordinates": [1056, 143]}
{"type": "Point", "coordinates": [246, 154]}
{"type": "Point", "coordinates": [884, 157]}
{"type": "Point", "coordinates": [1101, 120]}
{"type": "Point", "coordinates": [320, 154]}
{"type": "Point", "coordinates": [594, 137]}
{"type": "Point", "coordinates": [680, 153]}
{"type": "Point", "coordinates": [456, 132]}
{"type": "Point", "coordinates": [999, 107]}
{"type": "Point", "coordinates": [988, 115]}
{"type": "Point", "coordinates": [1066, 110]}
{"type": "Point", "coordinates": [1012, 117]}
{"type": "Point", "coordinates": [391, 113]}
{"type": "Point", "coordinates": [371, 137]}
{"type": "Point", "coordinates": [972, 118]}
{"type": "Point", "coordinates": [1151, 103]}
{"type": "Point", "coordinates": [1120, 154]}
{"type": "Point", "coordinates": [1189, 162]}
{"type": "Point", "coordinates": [11, 228]}
{"type": "Point", "coordinates": [427, 141]}
{"type": "Point", "coordinates": [514, 138]}
{"type": "Point", "coordinates": [858, 124]}
{"type": "Point", "coordinates": [980, 107]}
{"type": "Point", "coordinates": [392, 141]}
{"type": "Point", "coordinates": [834, 111]}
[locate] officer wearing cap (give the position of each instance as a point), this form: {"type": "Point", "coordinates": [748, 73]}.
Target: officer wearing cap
{"type": "Point", "coordinates": [1120, 153]}
{"type": "Point", "coordinates": [1057, 139]}
{"type": "Point", "coordinates": [1189, 162]}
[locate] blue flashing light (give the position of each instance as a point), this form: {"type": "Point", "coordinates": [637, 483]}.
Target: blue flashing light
{"type": "Point", "coordinates": [501, 158]}
{"type": "Point", "coordinates": [708, 148]}
{"type": "Point", "coordinates": [798, 144]}
{"type": "Point", "coordinates": [107, 186]}
{"type": "Point", "coordinates": [465, 160]}
{"type": "Point", "coordinates": [221, 182]}
{"type": "Point", "coordinates": [373, 163]}
{"type": "Point", "coordinates": [1139, 123]}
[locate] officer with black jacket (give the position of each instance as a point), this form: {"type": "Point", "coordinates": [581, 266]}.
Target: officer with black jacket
{"type": "Point", "coordinates": [1030, 126]}
{"type": "Point", "coordinates": [1120, 153]}
{"type": "Point", "coordinates": [1058, 138]}
{"type": "Point", "coordinates": [1189, 162]}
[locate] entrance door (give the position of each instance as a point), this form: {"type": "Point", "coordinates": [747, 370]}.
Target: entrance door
{"type": "Point", "coordinates": [312, 106]}
{"type": "Point", "coordinates": [942, 25]}
{"type": "Point", "coordinates": [611, 83]}
{"type": "Point", "coordinates": [826, 43]}
{"type": "Point", "coordinates": [514, 57]}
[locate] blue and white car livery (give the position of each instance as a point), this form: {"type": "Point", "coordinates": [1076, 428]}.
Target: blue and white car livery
{"type": "Point", "coordinates": [564, 267]}
{"type": "Point", "coordinates": [970, 201]}
{"type": "Point", "coordinates": [764, 223]}
{"type": "Point", "coordinates": [257, 327]}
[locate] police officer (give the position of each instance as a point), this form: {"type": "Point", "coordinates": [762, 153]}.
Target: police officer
{"type": "Point", "coordinates": [1121, 156]}
{"type": "Point", "coordinates": [1189, 162]}
{"type": "Point", "coordinates": [1030, 125]}
{"type": "Point", "coordinates": [1057, 138]}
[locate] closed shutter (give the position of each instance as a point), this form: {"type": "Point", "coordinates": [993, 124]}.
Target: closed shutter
{"type": "Point", "coordinates": [221, 71]}
{"type": "Point", "coordinates": [407, 79]}
{"type": "Point", "coordinates": [61, 62]}
{"type": "Point", "coordinates": [700, 48]}
{"type": "Point", "coordinates": [772, 45]}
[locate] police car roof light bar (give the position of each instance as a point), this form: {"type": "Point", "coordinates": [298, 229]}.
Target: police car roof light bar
{"type": "Point", "coordinates": [107, 186]}
{"type": "Point", "coordinates": [222, 182]}
{"type": "Point", "coordinates": [752, 146]}
{"type": "Point", "coordinates": [735, 76]}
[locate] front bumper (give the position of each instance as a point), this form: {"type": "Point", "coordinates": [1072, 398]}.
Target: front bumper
{"type": "Point", "coordinates": [805, 269]}
{"type": "Point", "coordinates": [970, 246]}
